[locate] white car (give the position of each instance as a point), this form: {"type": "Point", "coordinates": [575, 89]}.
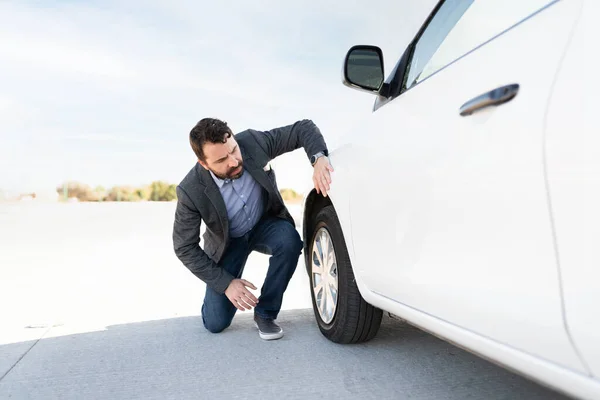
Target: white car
{"type": "Point", "coordinates": [467, 203]}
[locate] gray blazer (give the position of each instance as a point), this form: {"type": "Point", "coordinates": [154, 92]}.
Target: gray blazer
{"type": "Point", "coordinates": [199, 198]}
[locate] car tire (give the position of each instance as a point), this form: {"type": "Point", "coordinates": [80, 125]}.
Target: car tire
{"type": "Point", "coordinates": [352, 320]}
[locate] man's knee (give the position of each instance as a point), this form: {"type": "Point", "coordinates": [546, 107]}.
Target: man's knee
{"type": "Point", "coordinates": [290, 242]}
{"type": "Point", "coordinates": [216, 325]}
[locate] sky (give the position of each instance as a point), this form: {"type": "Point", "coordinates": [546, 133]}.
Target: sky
{"type": "Point", "coordinates": [106, 92]}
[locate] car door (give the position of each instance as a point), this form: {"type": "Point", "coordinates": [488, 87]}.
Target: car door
{"type": "Point", "coordinates": [456, 221]}
{"type": "Point", "coordinates": [573, 162]}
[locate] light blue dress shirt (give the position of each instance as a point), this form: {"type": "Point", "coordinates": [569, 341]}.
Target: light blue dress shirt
{"type": "Point", "coordinates": [243, 199]}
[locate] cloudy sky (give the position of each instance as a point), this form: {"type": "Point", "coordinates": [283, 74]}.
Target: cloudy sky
{"type": "Point", "coordinates": [105, 92]}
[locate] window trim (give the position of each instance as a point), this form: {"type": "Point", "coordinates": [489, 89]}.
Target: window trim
{"type": "Point", "coordinates": [398, 77]}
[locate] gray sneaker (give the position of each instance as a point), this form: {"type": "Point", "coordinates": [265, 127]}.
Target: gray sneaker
{"type": "Point", "coordinates": [267, 328]}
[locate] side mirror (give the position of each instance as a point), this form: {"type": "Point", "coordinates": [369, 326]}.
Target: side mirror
{"type": "Point", "coordinates": [363, 68]}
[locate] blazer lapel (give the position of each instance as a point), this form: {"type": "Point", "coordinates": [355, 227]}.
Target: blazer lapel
{"type": "Point", "coordinates": [212, 192]}
{"type": "Point", "coordinates": [256, 171]}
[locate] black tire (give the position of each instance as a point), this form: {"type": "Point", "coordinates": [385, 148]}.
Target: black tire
{"type": "Point", "coordinates": [354, 320]}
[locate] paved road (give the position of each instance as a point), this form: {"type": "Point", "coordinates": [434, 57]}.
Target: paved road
{"type": "Point", "coordinates": [95, 305]}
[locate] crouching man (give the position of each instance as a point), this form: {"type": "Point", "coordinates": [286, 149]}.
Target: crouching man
{"type": "Point", "coordinates": [233, 190]}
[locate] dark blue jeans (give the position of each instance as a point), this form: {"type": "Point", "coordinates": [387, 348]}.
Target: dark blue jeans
{"type": "Point", "coordinates": [274, 236]}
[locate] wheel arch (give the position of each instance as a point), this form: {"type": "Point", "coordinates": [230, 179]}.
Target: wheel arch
{"type": "Point", "coordinates": [313, 203]}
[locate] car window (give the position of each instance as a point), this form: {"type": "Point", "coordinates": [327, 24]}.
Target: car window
{"type": "Point", "coordinates": [460, 26]}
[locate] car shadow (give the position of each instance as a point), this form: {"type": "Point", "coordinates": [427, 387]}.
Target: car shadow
{"type": "Point", "coordinates": [177, 358]}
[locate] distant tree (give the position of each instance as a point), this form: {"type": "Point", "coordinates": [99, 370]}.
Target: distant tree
{"type": "Point", "coordinates": [162, 191]}
{"type": "Point", "coordinates": [77, 190]}
{"type": "Point", "coordinates": [290, 195]}
{"type": "Point", "coordinates": [156, 191]}
{"type": "Point", "coordinates": [123, 193]}
{"type": "Point", "coordinates": [144, 193]}
{"type": "Point", "coordinates": [101, 192]}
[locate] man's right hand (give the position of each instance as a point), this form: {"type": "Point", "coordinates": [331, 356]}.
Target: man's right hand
{"type": "Point", "coordinates": [239, 296]}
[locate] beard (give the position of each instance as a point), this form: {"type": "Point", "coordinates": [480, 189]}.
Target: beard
{"type": "Point", "coordinates": [233, 173]}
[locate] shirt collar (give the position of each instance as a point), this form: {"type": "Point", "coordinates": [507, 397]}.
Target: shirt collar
{"type": "Point", "coordinates": [220, 182]}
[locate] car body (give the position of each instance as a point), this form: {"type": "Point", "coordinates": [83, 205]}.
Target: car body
{"type": "Point", "coordinates": [467, 202]}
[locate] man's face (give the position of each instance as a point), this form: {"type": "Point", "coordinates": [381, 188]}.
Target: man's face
{"type": "Point", "coordinates": [223, 159]}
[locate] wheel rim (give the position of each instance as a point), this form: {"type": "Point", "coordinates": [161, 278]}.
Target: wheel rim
{"type": "Point", "coordinates": [324, 275]}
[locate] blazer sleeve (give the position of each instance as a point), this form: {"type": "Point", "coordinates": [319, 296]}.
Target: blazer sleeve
{"type": "Point", "coordinates": [278, 141]}
{"type": "Point", "coordinates": [186, 242]}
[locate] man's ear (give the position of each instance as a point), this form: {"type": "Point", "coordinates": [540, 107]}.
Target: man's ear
{"type": "Point", "coordinates": [203, 163]}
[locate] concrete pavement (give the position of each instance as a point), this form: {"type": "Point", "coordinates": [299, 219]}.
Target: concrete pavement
{"type": "Point", "coordinates": [96, 306]}
{"type": "Point", "coordinates": [177, 359]}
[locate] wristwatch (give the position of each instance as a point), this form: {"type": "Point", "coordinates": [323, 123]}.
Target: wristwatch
{"type": "Point", "coordinates": [314, 158]}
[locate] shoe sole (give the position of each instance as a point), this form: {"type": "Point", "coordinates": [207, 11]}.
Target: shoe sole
{"type": "Point", "coordinates": [269, 336]}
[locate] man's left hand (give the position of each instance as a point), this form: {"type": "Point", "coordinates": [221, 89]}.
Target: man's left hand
{"type": "Point", "coordinates": [322, 176]}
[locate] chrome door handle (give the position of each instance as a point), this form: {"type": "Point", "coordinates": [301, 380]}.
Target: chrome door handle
{"type": "Point", "coordinates": [494, 97]}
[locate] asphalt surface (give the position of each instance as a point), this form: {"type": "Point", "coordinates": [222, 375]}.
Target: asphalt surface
{"type": "Point", "coordinates": [96, 306]}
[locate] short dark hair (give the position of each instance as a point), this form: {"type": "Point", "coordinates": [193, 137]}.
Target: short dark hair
{"type": "Point", "coordinates": [208, 130]}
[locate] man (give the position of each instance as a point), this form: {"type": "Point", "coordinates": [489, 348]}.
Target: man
{"type": "Point", "coordinates": [233, 190]}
